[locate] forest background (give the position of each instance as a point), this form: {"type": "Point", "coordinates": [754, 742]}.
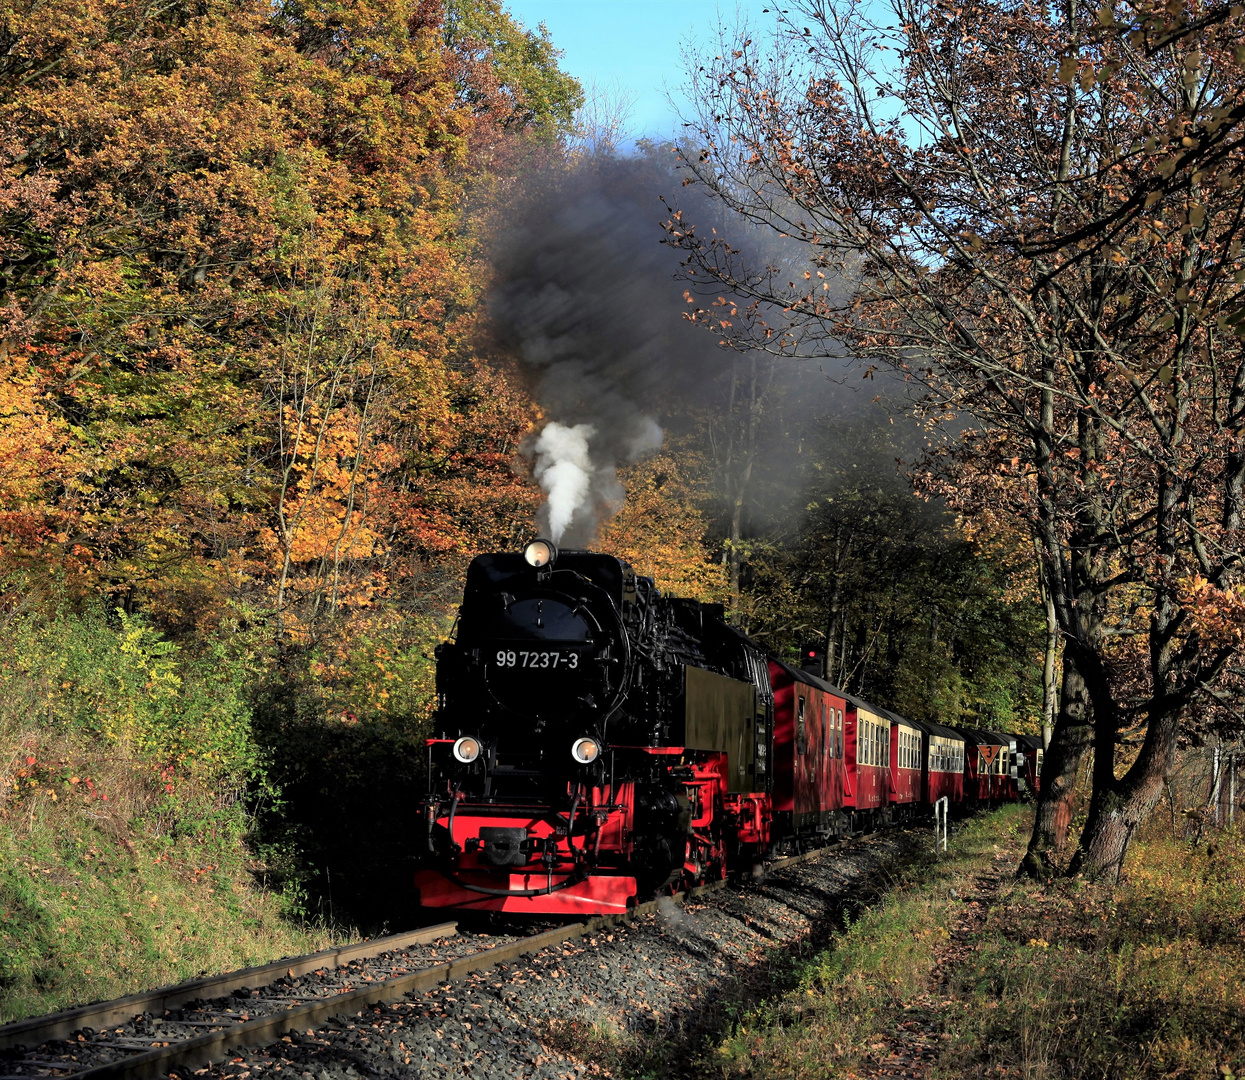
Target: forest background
{"type": "Point", "coordinates": [258, 411]}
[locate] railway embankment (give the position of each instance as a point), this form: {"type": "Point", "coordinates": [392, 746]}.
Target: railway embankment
{"type": "Point", "coordinates": [124, 861]}
{"type": "Point", "coordinates": [961, 970]}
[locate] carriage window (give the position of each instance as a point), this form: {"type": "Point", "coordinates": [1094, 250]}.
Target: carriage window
{"type": "Point", "coordinates": [799, 728]}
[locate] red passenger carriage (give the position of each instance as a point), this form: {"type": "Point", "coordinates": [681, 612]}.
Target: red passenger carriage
{"type": "Point", "coordinates": [986, 766]}
{"type": "Point", "coordinates": [867, 790]}
{"type": "Point", "coordinates": [1030, 753]}
{"type": "Point", "coordinates": [906, 739]}
{"type": "Point", "coordinates": [943, 765]}
{"type": "Point", "coordinates": [809, 745]}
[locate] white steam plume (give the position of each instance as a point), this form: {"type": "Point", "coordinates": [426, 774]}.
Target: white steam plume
{"type": "Point", "coordinates": [576, 467]}
{"type": "Point", "coordinates": [564, 470]}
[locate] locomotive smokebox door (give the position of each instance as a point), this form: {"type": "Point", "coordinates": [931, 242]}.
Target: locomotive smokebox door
{"type": "Point", "coordinates": [501, 846]}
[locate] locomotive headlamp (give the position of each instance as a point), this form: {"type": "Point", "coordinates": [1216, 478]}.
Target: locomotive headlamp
{"type": "Point", "coordinates": [585, 750]}
{"type": "Point", "coordinates": [467, 749]}
{"type": "Point", "coordinates": [540, 553]}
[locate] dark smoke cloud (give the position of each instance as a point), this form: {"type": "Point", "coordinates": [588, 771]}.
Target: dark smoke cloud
{"type": "Point", "coordinates": [588, 297]}
{"type": "Point", "coordinates": [592, 299]}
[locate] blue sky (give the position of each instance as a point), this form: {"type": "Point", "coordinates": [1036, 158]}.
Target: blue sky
{"type": "Point", "coordinates": [635, 44]}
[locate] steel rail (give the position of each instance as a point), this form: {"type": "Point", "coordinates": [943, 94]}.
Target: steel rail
{"type": "Point", "coordinates": [250, 1034]}
{"type": "Point", "coordinates": [40, 1029]}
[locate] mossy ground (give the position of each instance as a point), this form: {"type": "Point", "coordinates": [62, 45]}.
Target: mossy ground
{"type": "Point", "coordinates": [92, 907]}
{"type": "Point", "coordinates": [127, 779]}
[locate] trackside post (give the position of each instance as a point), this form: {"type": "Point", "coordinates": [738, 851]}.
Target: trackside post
{"type": "Point", "coordinates": [942, 813]}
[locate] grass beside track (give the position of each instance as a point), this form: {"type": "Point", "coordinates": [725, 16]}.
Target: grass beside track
{"type": "Point", "coordinates": [90, 911]}
{"type": "Point", "coordinates": [1037, 981]}
{"type": "Point", "coordinates": [961, 970]}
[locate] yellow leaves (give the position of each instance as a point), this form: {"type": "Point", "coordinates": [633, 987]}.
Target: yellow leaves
{"type": "Point", "coordinates": [1217, 613]}
{"type": "Point", "coordinates": [1067, 69]}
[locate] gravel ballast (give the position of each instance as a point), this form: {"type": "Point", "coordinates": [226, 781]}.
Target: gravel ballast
{"type": "Point", "coordinates": [659, 975]}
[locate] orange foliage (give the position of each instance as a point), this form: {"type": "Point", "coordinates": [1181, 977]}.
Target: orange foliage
{"type": "Point", "coordinates": [240, 296]}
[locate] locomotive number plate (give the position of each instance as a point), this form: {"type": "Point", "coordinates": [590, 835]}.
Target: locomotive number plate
{"type": "Point", "coordinates": [522, 658]}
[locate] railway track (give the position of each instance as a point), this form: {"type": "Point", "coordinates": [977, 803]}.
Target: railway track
{"type": "Point", "coordinates": [180, 1028]}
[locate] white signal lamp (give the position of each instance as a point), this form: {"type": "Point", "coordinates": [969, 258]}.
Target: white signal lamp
{"type": "Point", "coordinates": [585, 750]}
{"type": "Point", "coordinates": [467, 749]}
{"type": "Point", "coordinates": [540, 553]}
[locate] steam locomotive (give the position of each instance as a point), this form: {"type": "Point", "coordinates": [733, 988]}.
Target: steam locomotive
{"type": "Point", "coordinates": [599, 742]}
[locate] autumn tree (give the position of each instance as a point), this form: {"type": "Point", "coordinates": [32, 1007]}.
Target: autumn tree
{"type": "Point", "coordinates": [927, 156]}
{"type": "Point", "coordinates": [241, 266]}
{"type": "Point", "coordinates": [1208, 143]}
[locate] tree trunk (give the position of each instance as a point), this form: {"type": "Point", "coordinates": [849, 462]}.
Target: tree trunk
{"type": "Point", "coordinates": [1069, 744]}
{"type": "Point", "coordinates": [1118, 806]}
{"type": "Point", "coordinates": [834, 610]}
{"type": "Point", "coordinates": [1050, 695]}
{"type": "Point", "coordinates": [1213, 799]}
